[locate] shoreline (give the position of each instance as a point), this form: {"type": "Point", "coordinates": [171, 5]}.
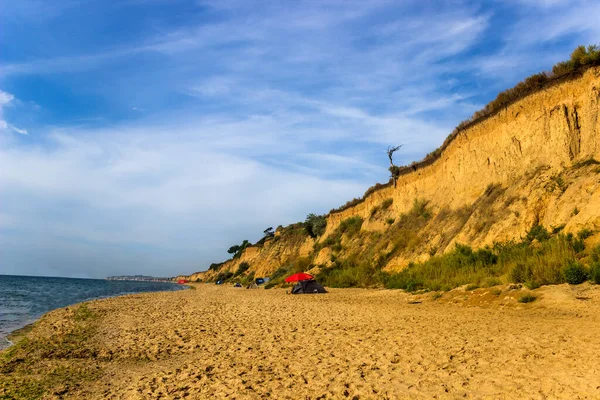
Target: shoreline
{"type": "Point", "coordinates": [221, 341]}
{"type": "Point", "coordinates": [10, 334]}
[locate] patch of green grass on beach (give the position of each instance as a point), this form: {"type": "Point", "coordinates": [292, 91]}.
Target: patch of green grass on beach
{"type": "Point", "coordinates": [51, 364]}
{"type": "Point", "coordinates": [83, 313]}
{"type": "Point", "coordinates": [527, 298]}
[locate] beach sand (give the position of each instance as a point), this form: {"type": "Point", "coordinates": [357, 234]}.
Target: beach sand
{"type": "Point", "coordinates": [221, 342]}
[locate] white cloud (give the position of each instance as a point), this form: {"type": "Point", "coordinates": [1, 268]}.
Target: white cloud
{"type": "Point", "coordinates": [5, 101]}
{"type": "Point", "coordinates": [18, 130]}
{"type": "Point", "coordinates": [5, 98]}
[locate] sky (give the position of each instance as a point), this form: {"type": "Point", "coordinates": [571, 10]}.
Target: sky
{"type": "Point", "coordinates": [148, 136]}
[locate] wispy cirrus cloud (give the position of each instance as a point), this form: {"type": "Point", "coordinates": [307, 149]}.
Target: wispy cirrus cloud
{"type": "Point", "coordinates": [5, 101]}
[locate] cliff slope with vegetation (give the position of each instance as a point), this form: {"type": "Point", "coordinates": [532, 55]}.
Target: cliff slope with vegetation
{"type": "Point", "coordinates": [520, 181]}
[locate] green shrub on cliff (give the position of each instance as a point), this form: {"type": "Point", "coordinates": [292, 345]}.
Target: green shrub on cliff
{"type": "Point", "coordinates": [537, 232]}
{"type": "Point", "coordinates": [224, 276]}
{"type": "Point", "coordinates": [534, 265]}
{"type": "Point", "coordinates": [594, 274]}
{"type": "Point", "coordinates": [459, 267]}
{"type": "Point", "coordinates": [349, 273]}
{"type": "Point", "coordinates": [349, 227]}
{"type": "Point", "coordinates": [243, 267]}
{"type": "Point", "coordinates": [575, 273]}
{"type": "Point", "coordinates": [315, 225]}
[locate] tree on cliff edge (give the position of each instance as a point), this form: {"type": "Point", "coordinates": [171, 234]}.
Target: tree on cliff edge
{"type": "Point", "coordinates": [269, 232]}
{"type": "Point", "coordinates": [315, 225]}
{"type": "Point", "coordinates": [237, 250]}
{"type": "Point", "coordinates": [394, 170]}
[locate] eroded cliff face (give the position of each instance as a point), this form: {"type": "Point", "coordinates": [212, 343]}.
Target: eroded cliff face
{"type": "Point", "coordinates": [533, 162]}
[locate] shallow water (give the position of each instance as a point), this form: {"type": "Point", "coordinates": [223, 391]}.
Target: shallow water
{"type": "Point", "coordinates": [23, 299]}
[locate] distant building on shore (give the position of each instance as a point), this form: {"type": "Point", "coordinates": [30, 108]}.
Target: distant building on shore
{"type": "Point", "coordinates": [140, 278]}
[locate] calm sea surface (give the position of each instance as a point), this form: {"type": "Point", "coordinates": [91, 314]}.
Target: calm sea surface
{"type": "Point", "coordinates": [23, 299]}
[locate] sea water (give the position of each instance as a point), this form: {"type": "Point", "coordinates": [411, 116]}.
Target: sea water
{"type": "Point", "coordinates": [23, 299]}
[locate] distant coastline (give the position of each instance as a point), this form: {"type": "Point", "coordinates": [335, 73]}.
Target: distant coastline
{"type": "Point", "coordinates": [139, 278]}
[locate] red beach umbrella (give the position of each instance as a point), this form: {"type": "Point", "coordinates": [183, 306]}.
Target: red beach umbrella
{"type": "Point", "coordinates": [300, 276]}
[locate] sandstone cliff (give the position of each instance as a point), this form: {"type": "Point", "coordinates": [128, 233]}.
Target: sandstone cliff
{"type": "Point", "coordinates": [533, 162]}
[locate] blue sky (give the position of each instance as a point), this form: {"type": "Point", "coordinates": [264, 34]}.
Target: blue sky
{"type": "Point", "coordinates": [147, 136]}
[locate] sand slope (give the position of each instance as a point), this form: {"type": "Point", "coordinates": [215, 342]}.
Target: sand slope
{"type": "Point", "coordinates": [217, 342]}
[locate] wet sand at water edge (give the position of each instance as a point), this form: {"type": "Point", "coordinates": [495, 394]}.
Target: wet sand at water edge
{"type": "Point", "coordinates": [222, 342]}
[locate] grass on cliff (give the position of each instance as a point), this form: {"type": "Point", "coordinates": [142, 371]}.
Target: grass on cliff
{"type": "Point", "coordinates": [362, 266]}
{"type": "Point", "coordinates": [540, 258]}
{"type": "Point", "coordinates": [38, 367]}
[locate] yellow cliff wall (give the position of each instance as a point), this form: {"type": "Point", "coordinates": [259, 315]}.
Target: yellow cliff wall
{"type": "Point", "coordinates": [521, 149]}
{"type": "Point", "coordinates": [554, 127]}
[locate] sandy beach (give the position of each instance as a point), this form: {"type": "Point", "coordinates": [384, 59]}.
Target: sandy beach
{"type": "Point", "coordinates": [221, 342]}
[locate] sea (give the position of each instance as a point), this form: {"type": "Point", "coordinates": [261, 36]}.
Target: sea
{"type": "Point", "coordinates": [24, 299]}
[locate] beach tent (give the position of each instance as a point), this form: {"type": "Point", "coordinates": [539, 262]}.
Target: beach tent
{"type": "Point", "coordinates": [308, 287]}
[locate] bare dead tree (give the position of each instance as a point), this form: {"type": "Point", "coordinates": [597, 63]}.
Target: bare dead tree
{"type": "Point", "coordinates": [390, 153]}
{"type": "Point", "coordinates": [393, 168]}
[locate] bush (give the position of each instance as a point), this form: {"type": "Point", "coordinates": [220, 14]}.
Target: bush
{"type": "Point", "coordinates": [214, 266]}
{"type": "Point", "coordinates": [575, 273]}
{"type": "Point", "coordinates": [527, 298]}
{"type": "Point", "coordinates": [595, 254]}
{"type": "Point", "coordinates": [537, 232]}
{"type": "Point", "coordinates": [585, 233]}
{"type": "Point", "coordinates": [350, 272]}
{"type": "Point", "coordinates": [224, 276]}
{"type": "Point", "coordinates": [577, 244]}
{"type": "Point", "coordinates": [407, 282]}
{"type": "Point", "coordinates": [489, 282]}
{"type": "Point", "coordinates": [519, 273]}
{"type": "Point", "coordinates": [243, 267]}
{"type": "Point", "coordinates": [315, 225]}
{"type": "Point", "coordinates": [351, 226]}
{"type": "Point", "coordinates": [594, 274]}
{"type": "Point", "coordinates": [532, 284]}
{"type": "Point", "coordinates": [387, 203]}
{"type": "Point", "coordinates": [420, 208]}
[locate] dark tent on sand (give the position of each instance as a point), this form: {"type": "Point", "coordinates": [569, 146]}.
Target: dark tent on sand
{"type": "Point", "coordinates": [308, 286]}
